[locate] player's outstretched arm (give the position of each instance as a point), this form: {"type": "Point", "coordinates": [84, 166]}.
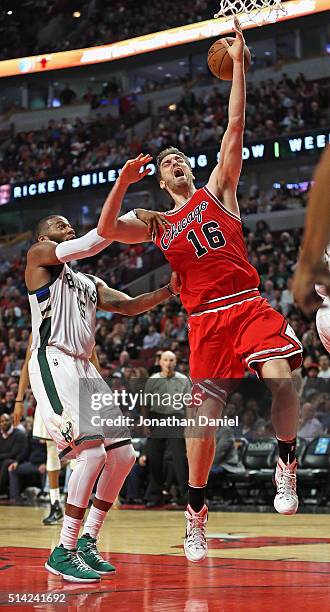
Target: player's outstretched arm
{"type": "Point", "coordinates": [112, 300]}
{"type": "Point", "coordinates": [47, 253]}
{"type": "Point", "coordinates": [22, 386]}
{"type": "Point", "coordinates": [311, 269]}
{"type": "Point", "coordinates": [225, 176]}
{"type": "Point", "coordinates": [129, 228]}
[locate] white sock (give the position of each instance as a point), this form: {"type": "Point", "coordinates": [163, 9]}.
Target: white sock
{"type": "Point", "coordinates": [70, 531]}
{"type": "Point", "coordinates": [54, 495]}
{"type": "Point", "coordinates": [94, 521]}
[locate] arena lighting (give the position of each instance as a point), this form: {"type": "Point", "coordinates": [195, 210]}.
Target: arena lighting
{"type": "Point", "coordinates": [76, 14]}
{"type": "Point", "coordinates": [301, 186]}
{"type": "Point", "coordinates": [147, 43]}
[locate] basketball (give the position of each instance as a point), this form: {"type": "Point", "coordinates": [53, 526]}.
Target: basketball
{"type": "Point", "coordinates": [220, 62]}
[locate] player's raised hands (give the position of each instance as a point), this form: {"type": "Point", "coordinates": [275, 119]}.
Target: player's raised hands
{"type": "Point", "coordinates": [236, 50]}
{"type": "Point", "coordinates": [132, 171]}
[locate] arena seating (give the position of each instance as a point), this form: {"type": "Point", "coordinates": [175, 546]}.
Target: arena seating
{"type": "Point", "coordinates": [254, 486]}
{"type": "Point", "coordinates": [275, 108]}
{"type": "Point", "coordinates": [315, 468]}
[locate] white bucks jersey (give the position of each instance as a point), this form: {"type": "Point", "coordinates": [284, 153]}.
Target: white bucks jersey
{"type": "Point", "coordinates": [64, 314]}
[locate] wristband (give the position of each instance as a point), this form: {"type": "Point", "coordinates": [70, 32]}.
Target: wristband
{"type": "Point", "coordinates": [19, 401]}
{"type": "Point", "coordinates": [170, 290]}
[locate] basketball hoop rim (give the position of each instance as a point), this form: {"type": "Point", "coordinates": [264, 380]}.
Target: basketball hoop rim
{"type": "Point", "coordinates": [259, 12]}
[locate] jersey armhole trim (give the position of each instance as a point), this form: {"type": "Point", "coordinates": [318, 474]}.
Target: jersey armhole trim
{"type": "Point", "coordinates": [217, 201]}
{"type": "Point", "coordinates": [47, 285]}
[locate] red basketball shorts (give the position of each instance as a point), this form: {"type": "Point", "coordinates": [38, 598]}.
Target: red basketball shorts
{"type": "Point", "coordinates": [225, 342]}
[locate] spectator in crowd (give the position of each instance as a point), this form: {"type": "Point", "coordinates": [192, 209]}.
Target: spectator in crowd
{"type": "Point", "coordinates": [8, 400]}
{"type": "Point", "coordinates": [268, 293]}
{"type": "Point", "coordinates": [12, 365]}
{"type": "Point", "coordinates": [321, 404]}
{"type": "Point", "coordinates": [13, 444]}
{"type": "Point", "coordinates": [179, 331]}
{"type": "Point", "coordinates": [324, 367]}
{"type": "Point", "coordinates": [161, 387]}
{"type": "Point", "coordinates": [312, 370]}
{"type": "Point", "coordinates": [136, 482]}
{"type": "Point", "coordinates": [123, 362]}
{"type": "Point", "coordinates": [309, 426]}
{"type": "Point", "coordinates": [287, 299]}
{"type": "Point", "coordinates": [135, 341]}
{"type": "Point", "coordinates": [152, 339]}
{"type": "Point", "coordinates": [29, 469]}
{"type": "Point", "coordinates": [249, 424]}
{"type": "Point", "coordinates": [226, 456]}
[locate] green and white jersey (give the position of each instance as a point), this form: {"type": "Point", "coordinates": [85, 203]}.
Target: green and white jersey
{"type": "Point", "coordinates": [64, 314]}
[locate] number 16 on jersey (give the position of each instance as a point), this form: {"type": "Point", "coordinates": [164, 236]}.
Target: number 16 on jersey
{"type": "Point", "coordinates": [213, 238]}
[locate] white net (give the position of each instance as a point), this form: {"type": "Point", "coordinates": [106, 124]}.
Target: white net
{"type": "Point", "coordinates": [257, 11]}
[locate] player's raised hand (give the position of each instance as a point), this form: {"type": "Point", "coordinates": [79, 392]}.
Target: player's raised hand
{"type": "Point", "coordinates": [236, 50]}
{"type": "Point", "coordinates": [132, 171]}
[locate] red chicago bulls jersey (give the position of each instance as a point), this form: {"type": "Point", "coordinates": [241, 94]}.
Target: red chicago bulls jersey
{"type": "Point", "coordinates": [205, 245]}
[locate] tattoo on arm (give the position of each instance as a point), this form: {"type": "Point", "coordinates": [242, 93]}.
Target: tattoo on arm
{"type": "Point", "coordinates": [110, 299]}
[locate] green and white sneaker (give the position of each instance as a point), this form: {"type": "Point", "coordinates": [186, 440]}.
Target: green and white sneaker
{"type": "Point", "coordinates": [88, 553]}
{"type": "Point", "coordinates": [66, 563]}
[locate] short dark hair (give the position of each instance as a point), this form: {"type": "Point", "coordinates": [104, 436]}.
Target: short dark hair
{"type": "Point", "coordinates": [169, 151]}
{"type": "Point", "coordinates": [41, 226]}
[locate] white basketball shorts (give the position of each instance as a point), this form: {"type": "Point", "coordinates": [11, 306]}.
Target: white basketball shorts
{"type": "Point", "coordinates": [63, 386]}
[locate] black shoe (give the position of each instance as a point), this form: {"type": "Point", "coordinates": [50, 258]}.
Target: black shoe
{"type": "Point", "coordinates": [55, 515]}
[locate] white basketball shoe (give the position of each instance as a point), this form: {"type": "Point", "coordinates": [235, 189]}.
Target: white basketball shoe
{"type": "Point", "coordinates": [286, 499]}
{"type": "Point", "coordinates": [195, 544]}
